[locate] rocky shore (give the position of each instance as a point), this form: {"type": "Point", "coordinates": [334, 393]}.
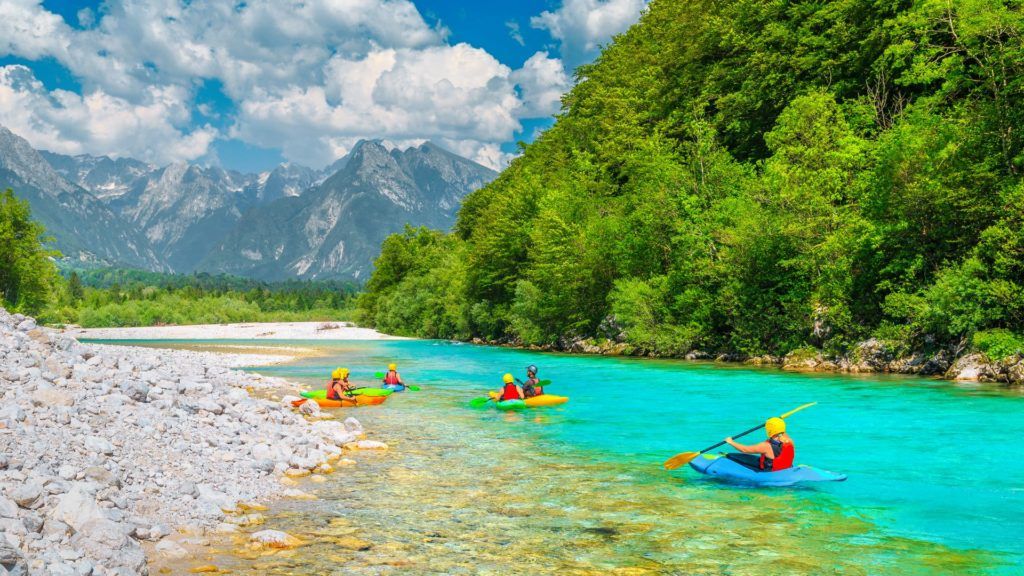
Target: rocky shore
{"type": "Point", "coordinates": [869, 356]}
{"type": "Point", "coordinates": [103, 448]}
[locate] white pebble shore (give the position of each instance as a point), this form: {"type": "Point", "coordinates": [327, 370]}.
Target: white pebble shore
{"type": "Point", "coordinates": [102, 447]}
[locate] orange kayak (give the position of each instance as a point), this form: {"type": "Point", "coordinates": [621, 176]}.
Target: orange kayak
{"type": "Point", "coordinates": [347, 402]}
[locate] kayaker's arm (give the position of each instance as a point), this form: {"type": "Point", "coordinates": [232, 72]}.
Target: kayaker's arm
{"type": "Point", "coordinates": [759, 448]}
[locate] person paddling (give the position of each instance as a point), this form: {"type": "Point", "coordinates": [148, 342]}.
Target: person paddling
{"type": "Point", "coordinates": [532, 385]}
{"type": "Point", "coordinates": [774, 454]}
{"type": "Point", "coordinates": [393, 379]}
{"type": "Point", "coordinates": [511, 390]}
{"type": "Point", "coordinates": [339, 385]}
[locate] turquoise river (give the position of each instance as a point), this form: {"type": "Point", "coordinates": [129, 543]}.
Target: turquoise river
{"type": "Point", "coordinates": [935, 486]}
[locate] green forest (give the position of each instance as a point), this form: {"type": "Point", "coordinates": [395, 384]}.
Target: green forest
{"type": "Point", "coordinates": [751, 177]}
{"type": "Point", "coordinates": [34, 281]}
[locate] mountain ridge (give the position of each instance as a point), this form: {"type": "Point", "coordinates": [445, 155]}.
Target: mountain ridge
{"type": "Point", "coordinates": [186, 217]}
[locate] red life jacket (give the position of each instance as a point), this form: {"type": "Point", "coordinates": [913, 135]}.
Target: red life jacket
{"type": "Point", "coordinates": [784, 454]}
{"type": "Point", "coordinates": [391, 378]}
{"type": "Point", "coordinates": [331, 395]}
{"type": "Point", "coordinates": [509, 392]}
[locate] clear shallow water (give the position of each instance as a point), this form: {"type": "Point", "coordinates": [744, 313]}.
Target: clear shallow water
{"type": "Point", "coordinates": [934, 486]}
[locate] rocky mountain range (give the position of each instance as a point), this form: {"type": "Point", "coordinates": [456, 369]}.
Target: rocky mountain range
{"type": "Point", "coordinates": [290, 222]}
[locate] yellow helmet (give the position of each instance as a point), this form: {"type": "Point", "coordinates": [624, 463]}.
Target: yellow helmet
{"type": "Point", "coordinates": [339, 373]}
{"type": "Point", "coordinates": [392, 366]}
{"type": "Point", "coordinates": [508, 378]}
{"type": "Point", "coordinates": [774, 426]}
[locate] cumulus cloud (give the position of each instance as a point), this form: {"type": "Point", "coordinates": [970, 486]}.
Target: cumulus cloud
{"type": "Point", "coordinates": [97, 122]}
{"type": "Point", "coordinates": [582, 26]}
{"type": "Point", "coordinates": [310, 77]}
{"type": "Point", "coordinates": [542, 80]}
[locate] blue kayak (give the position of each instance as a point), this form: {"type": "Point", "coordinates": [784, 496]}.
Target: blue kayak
{"type": "Point", "coordinates": [719, 466]}
{"type": "Point", "coordinates": [394, 387]}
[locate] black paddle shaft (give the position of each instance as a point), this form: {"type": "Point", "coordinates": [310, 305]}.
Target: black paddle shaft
{"type": "Point", "coordinates": [740, 435]}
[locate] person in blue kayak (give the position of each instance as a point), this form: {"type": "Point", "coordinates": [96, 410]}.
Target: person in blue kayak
{"type": "Point", "coordinates": [774, 454]}
{"type": "Point", "coordinates": [532, 386]}
{"type": "Point", "coordinates": [393, 379]}
{"type": "Point", "coordinates": [339, 386]}
{"type": "Point", "coordinates": [511, 390]}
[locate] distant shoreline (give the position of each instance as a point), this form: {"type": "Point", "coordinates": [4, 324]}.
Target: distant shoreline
{"type": "Point", "coordinates": [242, 331]}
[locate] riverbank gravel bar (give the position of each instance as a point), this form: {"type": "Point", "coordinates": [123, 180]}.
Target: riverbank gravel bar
{"type": "Point", "coordinates": [103, 448]}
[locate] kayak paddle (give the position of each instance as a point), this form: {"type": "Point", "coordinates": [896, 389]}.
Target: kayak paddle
{"type": "Point", "coordinates": [685, 457]}
{"type": "Point", "coordinates": [413, 387]}
{"type": "Point", "coordinates": [479, 402]}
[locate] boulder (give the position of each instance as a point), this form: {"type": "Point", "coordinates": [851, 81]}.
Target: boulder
{"type": "Point", "coordinates": [77, 508]}
{"type": "Point", "coordinates": [352, 425]}
{"type": "Point", "coordinates": [101, 476]}
{"type": "Point", "coordinates": [368, 445]}
{"type": "Point", "coordinates": [99, 445]}
{"type": "Point", "coordinates": [11, 560]}
{"type": "Point", "coordinates": [46, 395]}
{"type": "Point", "coordinates": [311, 409]}
{"type": "Point", "coordinates": [972, 367]}
{"type": "Point", "coordinates": [8, 509]}
{"type": "Point", "coordinates": [108, 543]}
{"type": "Point", "coordinates": [28, 495]}
{"type": "Point", "coordinates": [274, 539]}
{"type": "Point", "coordinates": [171, 549]}
{"type": "Point", "coordinates": [11, 414]}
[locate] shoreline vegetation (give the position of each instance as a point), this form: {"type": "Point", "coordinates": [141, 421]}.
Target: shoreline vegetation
{"type": "Point", "coordinates": [832, 186]}
{"type": "Point", "coordinates": [115, 459]}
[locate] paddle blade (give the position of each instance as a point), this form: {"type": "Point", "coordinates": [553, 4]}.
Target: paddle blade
{"type": "Point", "coordinates": [414, 388]}
{"type": "Point", "coordinates": [680, 460]}
{"type": "Point", "coordinates": [479, 402]}
{"type": "Point", "coordinates": [544, 383]}
{"type": "Point", "coordinates": [795, 410]}
{"type": "Point", "coordinates": [378, 375]}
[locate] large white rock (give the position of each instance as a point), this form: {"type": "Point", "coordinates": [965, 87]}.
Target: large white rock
{"type": "Point", "coordinates": [108, 543]}
{"type": "Point", "coordinates": [99, 445]}
{"type": "Point", "coordinates": [46, 395]}
{"type": "Point", "coordinates": [77, 507]}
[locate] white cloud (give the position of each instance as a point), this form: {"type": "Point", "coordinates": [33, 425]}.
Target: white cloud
{"type": "Point", "coordinates": [310, 77]}
{"type": "Point", "coordinates": [542, 80]}
{"type": "Point", "coordinates": [66, 122]}
{"type": "Point", "coordinates": [582, 26]}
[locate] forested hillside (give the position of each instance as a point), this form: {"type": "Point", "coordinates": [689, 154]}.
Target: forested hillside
{"type": "Point", "coordinates": [751, 177]}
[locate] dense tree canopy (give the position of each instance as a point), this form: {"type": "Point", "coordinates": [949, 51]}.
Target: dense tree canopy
{"type": "Point", "coordinates": [752, 176]}
{"type": "Point", "coordinates": [26, 266]}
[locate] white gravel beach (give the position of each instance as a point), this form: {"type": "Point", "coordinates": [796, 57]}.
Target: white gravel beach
{"type": "Point", "coordinates": [245, 331]}
{"type": "Point", "coordinates": [103, 448]}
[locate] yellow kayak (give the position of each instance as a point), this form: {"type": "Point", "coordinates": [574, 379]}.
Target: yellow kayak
{"type": "Point", "coordinates": [539, 401]}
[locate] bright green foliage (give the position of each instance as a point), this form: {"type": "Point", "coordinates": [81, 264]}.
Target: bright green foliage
{"type": "Point", "coordinates": [751, 176]}
{"type": "Point", "coordinates": [999, 344]}
{"type": "Point", "coordinates": [27, 271]}
{"type": "Point", "coordinates": [118, 297]}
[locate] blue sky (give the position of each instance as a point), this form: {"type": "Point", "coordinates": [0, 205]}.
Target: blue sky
{"type": "Point", "coordinates": [249, 84]}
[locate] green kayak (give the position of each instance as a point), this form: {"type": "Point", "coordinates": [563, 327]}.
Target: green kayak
{"type": "Point", "coordinates": [321, 394]}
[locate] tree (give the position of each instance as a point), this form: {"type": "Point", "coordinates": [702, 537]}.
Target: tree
{"type": "Point", "coordinates": [27, 271]}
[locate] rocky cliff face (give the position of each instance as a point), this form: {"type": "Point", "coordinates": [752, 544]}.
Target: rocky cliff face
{"type": "Point", "coordinates": [289, 222]}
{"type": "Point", "coordinates": [83, 227]}
{"type": "Point", "coordinates": [336, 228]}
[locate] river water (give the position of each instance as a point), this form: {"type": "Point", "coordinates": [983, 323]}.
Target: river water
{"type": "Point", "coordinates": [935, 485]}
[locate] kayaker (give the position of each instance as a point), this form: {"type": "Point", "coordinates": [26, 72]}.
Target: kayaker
{"type": "Point", "coordinates": [774, 454]}
{"type": "Point", "coordinates": [339, 385]}
{"type": "Point", "coordinates": [393, 378]}
{"type": "Point", "coordinates": [531, 387]}
{"type": "Point", "coordinates": [511, 390]}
